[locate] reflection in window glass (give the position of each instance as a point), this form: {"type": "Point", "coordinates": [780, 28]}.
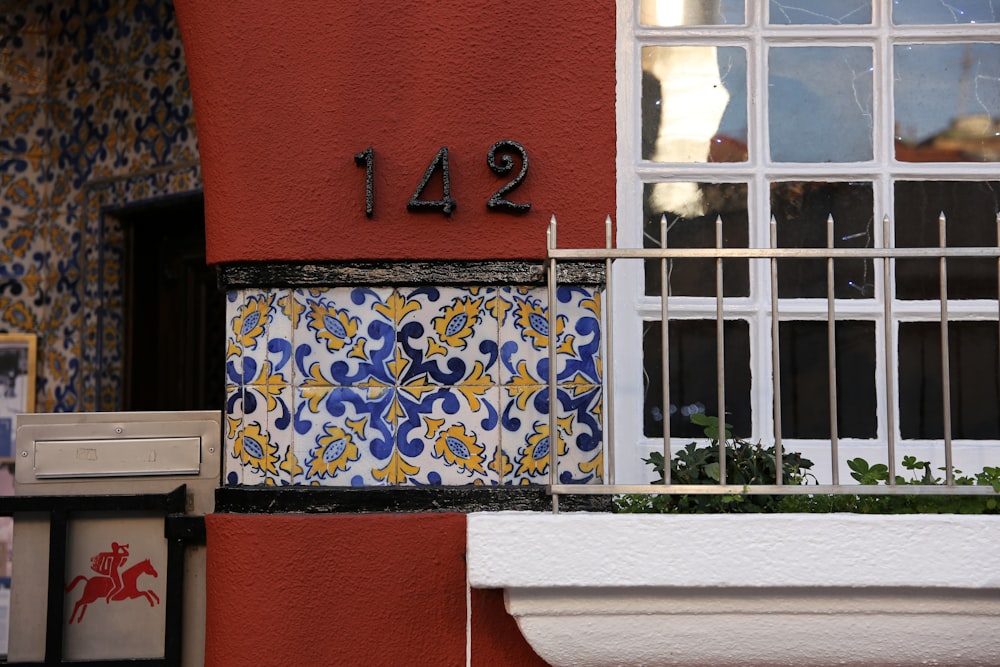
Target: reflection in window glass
{"type": "Point", "coordinates": [975, 397]}
{"type": "Point", "coordinates": [812, 90]}
{"type": "Point", "coordinates": [946, 101]}
{"type": "Point", "coordinates": [666, 13]}
{"type": "Point", "coordinates": [970, 209]}
{"type": "Point", "coordinates": [801, 210]}
{"type": "Point", "coordinates": [694, 104]}
{"type": "Point", "coordinates": [692, 210]}
{"type": "Point", "coordinates": [823, 12]}
{"type": "Point", "coordinates": [693, 375]}
{"type": "Point", "coordinates": [805, 379]}
{"type": "Point", "coordinates": [941, 11]}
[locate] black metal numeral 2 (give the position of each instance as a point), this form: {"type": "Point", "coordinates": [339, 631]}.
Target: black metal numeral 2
{"type": "Point", "coordinates": [366, 159]}
{"type": "Point", "coordinates": [499, 200]}
{"type": "Point", "coordinates": [446, 204]}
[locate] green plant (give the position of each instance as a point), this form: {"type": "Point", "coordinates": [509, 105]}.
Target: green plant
{"type": "Point", "coordinates": [746, 463]}
{"type": "Point", "coordinates": [751, 463]}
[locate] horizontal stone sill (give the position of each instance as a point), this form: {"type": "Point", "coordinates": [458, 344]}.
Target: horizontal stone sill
{"type": "Point", "coordinates": [786, 589]}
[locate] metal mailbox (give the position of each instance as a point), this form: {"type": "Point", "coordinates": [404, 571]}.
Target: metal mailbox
{"type": "Point", "coordinates": [114, 586]}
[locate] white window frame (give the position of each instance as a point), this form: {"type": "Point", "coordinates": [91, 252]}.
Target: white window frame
{"type": "Point", "coordinates": [632, 307]}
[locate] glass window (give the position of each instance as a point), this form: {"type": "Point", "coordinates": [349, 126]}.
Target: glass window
{"type": "Point", "coordinates": [946, 98]}
{"type": "Point", "coordinates": [807, 111]}
{"type": "Point", "coordinates": [822, 12]}
{"type": "Point", "coordinates": [941, 11]}
{"type": "Point", "coordinates": [811, 89]}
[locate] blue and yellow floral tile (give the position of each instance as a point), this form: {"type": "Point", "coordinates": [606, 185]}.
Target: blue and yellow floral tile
{"type": "Point", "coordinates": [449, 435]}
{"type": "Point", "coordinates": [524, 334]}
{"type": "Point", "coordinates": [23, 62]}
{"type": "Point", "coordinates": [251, 451]}
{"type": "Point", "coordinates": [362, 386]}
{"type": "Point", "coordinates": [345, 436]}
{"type": "Point", "coordinates": [525, 434]}
{"type": "Point", "coordinates": [447, 336]}
{"type": "Point", "coordinates": [344, 336]}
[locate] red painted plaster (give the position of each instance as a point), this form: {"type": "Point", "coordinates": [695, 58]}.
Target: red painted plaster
{"type": "Point", "coordinates": [496, 639]}
{"type": "Point", "coordinates": [285, 93]}
{"type": "Point", "coordinates": [372, 589]}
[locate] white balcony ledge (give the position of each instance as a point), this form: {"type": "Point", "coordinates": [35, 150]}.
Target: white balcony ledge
{"type": "Point", "coordinates": [719, 590]}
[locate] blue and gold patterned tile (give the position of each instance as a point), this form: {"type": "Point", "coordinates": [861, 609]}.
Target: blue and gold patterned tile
{"type": "Point", "coordinates": [82, 41]}
{"type": "Point", "coordinates": [524, 331]}
{"type": "Point", "coordinates": [449, 435]}
{"type": "Point", "coordinates": [253, 452]}
{"type": "Point", "coordinates": [21, 16]}
{"type": "Point", "coordinates": [25, 134]}
{"type": "Point", "coordinates": [344, 336]}
{"type": "Point", "coordinates": [448, 336]}
{"type": "Point", "coordinates": [525, 434]}
{"type": "Point", "coordinates": [280, 403]}
{"type": "Point", "coordinates": [83, 140]}
{"type": "Point", "coordinates": [162, 130]}
{"type": "Point", "coordinates": [248, 324]}
{"type": "Point", "coordinates": [232, 466]}
{"type": "Point", "coordinates": [344, 436]}
{"type": "Point", "coordinates": [23, 57]}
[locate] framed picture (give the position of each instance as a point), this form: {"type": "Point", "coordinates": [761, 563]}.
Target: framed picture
{"type": "Point", "coordinates": [18, 353]}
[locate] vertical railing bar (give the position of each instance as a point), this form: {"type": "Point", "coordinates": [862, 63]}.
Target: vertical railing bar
{"type": "Point", "coordinates": [998, 292]}
{"type": "Point", "coordinates": [173, 629]}
{"type": "Point", "coordinates": [553, 398]}
{"type": "Point", "coordinates": [56, 597]}
{"type": "Point", "coordinates": [831, 351]}
{"type": "Point", "coordinates": [890, 396]}
{"type": "Point", "coordinates": [720, 356]}
{"type": "Point", "coordinates": [609, 243]}
{"type": "Point", "coordinates": [945, 354]}
{"type": "Point", "coordinates": [665, 351]}
{"type": "Point", "coordinates": [776, 357]}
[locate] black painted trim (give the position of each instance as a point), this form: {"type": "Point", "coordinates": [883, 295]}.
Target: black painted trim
{"type": "Point", "coordinates": [355, 500]}
{"type": "Point", "coordinates": [392, 274]}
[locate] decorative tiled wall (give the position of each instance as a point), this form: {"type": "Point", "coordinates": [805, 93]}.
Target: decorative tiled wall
{"type": "Point", "coordinates": [95, 111]}
{"type": "Point", "coordinates": [412, 385]}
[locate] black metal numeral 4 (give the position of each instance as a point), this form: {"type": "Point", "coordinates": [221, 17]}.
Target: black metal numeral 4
{"type": "Point", "coordinates": [499, 200]}
{"type": "Point", "coordinates": [446, 204]}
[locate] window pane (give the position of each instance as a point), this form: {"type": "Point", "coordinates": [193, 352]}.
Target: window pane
{"type": "Point", "coordinates": [946, 100]}
{"type": "Point", "coordinates": [691, 210]}
{"type": "Point", "coordinates": [805, 379]}
{"type": "Point", "coordinates": [694, 104]}
{"type": "Point", "coordinates": [827, 12]}
{"type": "Point", "coordinates": [939, 11]}
{"type": "Point", "coordinates": [974, 380]}
{"type": "Point", "coordinates": [801, 210]}
{"type": "Point", "coordinates": [691, 12]}
{"type": "Point", "coordinates": [811, 91]}
{"type": "Point", "coordinates": [971, 210]}
{"type": "Point", "coordinates": [692, 376]}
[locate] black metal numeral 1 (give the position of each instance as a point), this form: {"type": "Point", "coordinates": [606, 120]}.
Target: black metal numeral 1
{"type": "Point", "coordinates": [499, 200]}
{"type": "Point", "coordinates": [366, 159]}
{"type": "Point", "coordinates": [446, 204]}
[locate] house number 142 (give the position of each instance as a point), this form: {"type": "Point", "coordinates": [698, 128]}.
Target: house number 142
{"type": "Point", "coordinates": [497, 202]}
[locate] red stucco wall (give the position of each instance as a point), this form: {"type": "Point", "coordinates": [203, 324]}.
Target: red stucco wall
{"type": "Point", "coordinates": [286, 93]}
{"type": "Point", "coordinates": [372, 590]}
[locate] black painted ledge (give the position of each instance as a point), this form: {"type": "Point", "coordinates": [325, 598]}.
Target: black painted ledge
{"type": "Point", "coordinates": [393, 274]}
{"type": "Point", "coordinates": [356, 500]}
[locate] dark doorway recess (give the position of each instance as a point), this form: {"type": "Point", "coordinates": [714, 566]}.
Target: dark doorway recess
{"type": "Point", "coordinates": [174, 338]}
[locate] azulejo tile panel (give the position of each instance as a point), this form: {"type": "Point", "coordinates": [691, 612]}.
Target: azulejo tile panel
{"type": "Point", "coordinates": [358, 386]}
{"type": "Point", "coordinates": [95, 113]}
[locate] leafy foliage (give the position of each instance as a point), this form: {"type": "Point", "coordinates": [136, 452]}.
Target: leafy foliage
{"type": "Point", "coordinates": [748, 463]}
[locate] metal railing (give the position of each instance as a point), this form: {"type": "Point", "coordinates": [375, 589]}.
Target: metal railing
{"type": "Point", "coordinates": [885, 255]}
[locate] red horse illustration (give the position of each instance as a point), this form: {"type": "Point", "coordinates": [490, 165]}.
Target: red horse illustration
{"type": "Point", "coordinates": [104, 587]}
